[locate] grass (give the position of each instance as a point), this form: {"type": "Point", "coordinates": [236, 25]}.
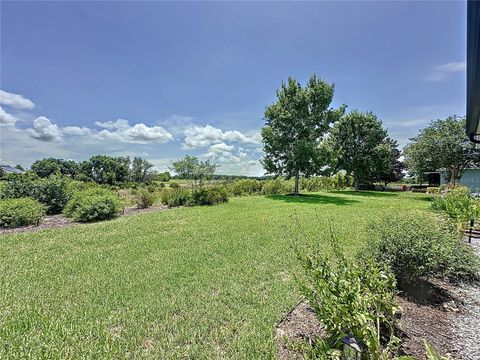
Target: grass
{"type": "Point", "coordinates": [202, 283]}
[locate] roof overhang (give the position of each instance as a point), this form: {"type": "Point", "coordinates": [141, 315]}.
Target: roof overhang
{"type": "Point", "coordinates": [473, 70]}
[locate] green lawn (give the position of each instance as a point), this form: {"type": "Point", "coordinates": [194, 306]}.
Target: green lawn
{"type": "Point", "coordinates": [202, 282]}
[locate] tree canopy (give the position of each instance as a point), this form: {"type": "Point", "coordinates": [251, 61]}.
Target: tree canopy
{"type": "Point", "coordinates": [294, 127]}
{"type": "Point", "coordinates": [357, 144]}
{"type": "Point", "coordinates": [191, 168]}
{"type": "Point", "coordinates": [442, 146]}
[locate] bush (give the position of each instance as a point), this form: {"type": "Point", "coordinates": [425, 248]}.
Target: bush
{"type": "Point", "coordinates": [20, 212]}
{"type": "Point", "coordinates": [92, 205]}
{"type": "Point", "coordinates": [420, 245]}
{"type": "Point", "coordinates": [144, 198]}
{"type": "Point", "coordinates": [350, 299]}
{"type": "Point", "coordinates": [209, 196]}
{"type": "Point", "coordinates": [245, 187]}
{"type": "Point", "coordinates": [178, 197]}
{"type": "Point", "coordinates": [277, 186]}
{"type": "Point", "coordinates": [54, 192]}
{"type": "Point", "coordinates": [174, 185]}
{"type": "Point", "coordinates": [458, 205]}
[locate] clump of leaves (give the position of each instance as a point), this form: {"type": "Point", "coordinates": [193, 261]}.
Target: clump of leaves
{"type": "Point", "coordinates": [420, 245]}
{"type": "Point", "coordinates": [350, 298]}
{"type": "Point", "coordinates": [458, 205]}
{"type": "Point", "coordinates": [144, 198]}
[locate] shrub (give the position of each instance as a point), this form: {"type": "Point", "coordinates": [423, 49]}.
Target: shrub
{"type": "Point", "coordinates": [179, 197]}
{"type": "Point", "coordinates": [174, 185]}
{"type": "Point", "coordinates": [144, 198]}
{"type": "Point", "coordinates": [53, 192]}
{"type": "Point", "coordinates": [92, 205]}
{"type": "Point", "coordinates": [245, 187]}
{"type": "Point", "coordinates": [458, 205]}
{"type": "Point", "coordinates": [277, 186]}
{"type": "Point", "coordinates": [20, 212]}
{"type": "Point", "coordinates": [420, 245]}
{"type": "Point", "coordinates": [350, 299]}
{"type": "Point", "coordinates": [209, 196]}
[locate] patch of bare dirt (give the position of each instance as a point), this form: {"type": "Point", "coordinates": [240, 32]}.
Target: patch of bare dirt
{"type": "Point", "coordinates": [60, 221]}
{"type": "Point", "coordinates": [299, 325]}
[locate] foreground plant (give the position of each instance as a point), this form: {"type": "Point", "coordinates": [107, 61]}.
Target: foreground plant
{"type": "Point", "coordinates": [350, 298]}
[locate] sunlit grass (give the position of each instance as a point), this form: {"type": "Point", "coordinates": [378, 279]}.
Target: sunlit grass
{"type": "Point", "coordinates": [202, 282]}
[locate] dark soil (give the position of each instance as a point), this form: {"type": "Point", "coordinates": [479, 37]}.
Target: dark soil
{"type": "Point", "coordinates": [60, 221]}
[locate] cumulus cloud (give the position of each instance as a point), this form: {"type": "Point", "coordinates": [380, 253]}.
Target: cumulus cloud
{"type": "Point", "coordinates": [121, 130]}
{"type": "Point", "coordinates": [15, 100]}
{"type": "Point", "coordinates": [446, 71]}
{"type": "Point", "coordinates": [6, 118]}
{"type": "Point", "coordinates": [76, 131]}
{"type": "Point", "coordinates": [203, 136]}
{"type": "Point", "coordinates": [44, 130]}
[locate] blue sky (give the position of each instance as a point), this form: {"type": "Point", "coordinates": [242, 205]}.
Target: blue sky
{"type": "Point", "coordinates": [163, 79]}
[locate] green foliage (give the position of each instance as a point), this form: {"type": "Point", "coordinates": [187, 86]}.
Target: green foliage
{"type": "Point", "coordinates": [164, 176]}
{"type": "Point", "coordinates": [141, 170]}
{"type": "Point", "coordinates": [245, 187]}
{"type": "Point", "coordinates": [351, 298]}
{"type": "Point", "coordinates": [209, 196]}
{"type": "Point", "coordinates": [458, 205]}
{"type": "Point", "coordinates": [174, 185]}
{"type": "Point", "coordinates": [104, 169]}
{"type": "Point", "coordinates": [51, 166]}
{"type": "Point", "coordinates": [191, 168]}
{"type": "Point", "coordinates": [421, 245]}
{"type": "Point", "coordinates": [92, 205]}
{"type": "Point", "coordinates": [294, 127]}
{"type": "Point", "coordinates": [394, 171]}
{"type": "Point", "coordinates": [357, 144]}
{"type": "Point", "coordinates": [442, 145]}
{"type": "Point", "coordinates": [277, 186]}
{"type": "Point", "coordinates": [53, 191]}
{"type": "Point", "coordinates": [177, 197]}
{"type": "Point", "coordinates": [144, 198]}
{"type": "Point", "coordinates": [20, 212]}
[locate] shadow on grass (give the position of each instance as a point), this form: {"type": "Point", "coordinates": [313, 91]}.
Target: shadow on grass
{"type": "Point", "coordinates": [313, 199]}
{"type": "Point", "coordinates": [368, 193]}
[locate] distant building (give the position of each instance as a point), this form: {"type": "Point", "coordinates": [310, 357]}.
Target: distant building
{"type": "Point", "coordinates": [10, 169]}
{"type": "Point", "coordinates": [470, 178]}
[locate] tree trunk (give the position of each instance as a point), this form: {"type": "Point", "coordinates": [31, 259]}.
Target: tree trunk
{"type": "Point", "coordinates": [297, 178]}
{"type": "Point", "coordinates": [356, 184]}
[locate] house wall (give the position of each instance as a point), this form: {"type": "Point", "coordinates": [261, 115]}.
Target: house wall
{"type": "Point", "coordinates": [470, 178]}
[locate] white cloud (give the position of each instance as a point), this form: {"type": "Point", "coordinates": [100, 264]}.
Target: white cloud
{"type": "Point", "coordinates": [45, 130]}
{"type": "Point", "coordinates": [221, 148]}
{"type": "Point", "coordinates": [76, 131]}
{"type": "Point", "coordinates": [121, 130]}
{"type": "Point", "coordinates": [203, 136]}
{"type": "Point", "coordinates": [119, 124]}
{"type": "Point", "coordinates": [446, 71]}
{"type": "Point", "coordinates": [15, 100]}
{"type": "Point", "coordinates": [6, 118]}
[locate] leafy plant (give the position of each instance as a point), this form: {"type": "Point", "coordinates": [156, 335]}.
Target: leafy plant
{"type": "Point", "coordinates": [20, 212]}
{"type": "Point", "coordinates": [144, 198]}
{"type": "Point", "coordinates": [458, 205]}
{"type": "Point", "coordinates": [92, 205]}
{"type": "Point", "coordinates": [209, 196]}
{"type": "Point", "coordinates": [351, 298]}
{"type": "Point", "coordinates": [179, 197]}
{"type": "Point", "coordinates": [432, 354]}
{"type": "Point", "coordinates": [421, 245]}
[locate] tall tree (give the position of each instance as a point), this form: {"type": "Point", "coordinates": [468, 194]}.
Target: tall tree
{"type": "Point", "coordinates": [141, 170]}
{"type": "Point", "coordinates": [50, 166]}
{"type": "Point", "coordinates": [294, 127]}
{"type": "Point", "coordinates": [105, 169]}
{"type": "Point", "coordinates": [442, 146]}
{"type": "Point", "coordinates": [394, 171]}
{"type": "Point", "coordinates": [193, 169]}
{"type": "Point", "coordinates": [357, 145]}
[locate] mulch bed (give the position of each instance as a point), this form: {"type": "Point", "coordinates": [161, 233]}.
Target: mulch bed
{"type": "Point", "coordinates": [446, 316]}
{"type": "Point", "coordinates": [60, 221]}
